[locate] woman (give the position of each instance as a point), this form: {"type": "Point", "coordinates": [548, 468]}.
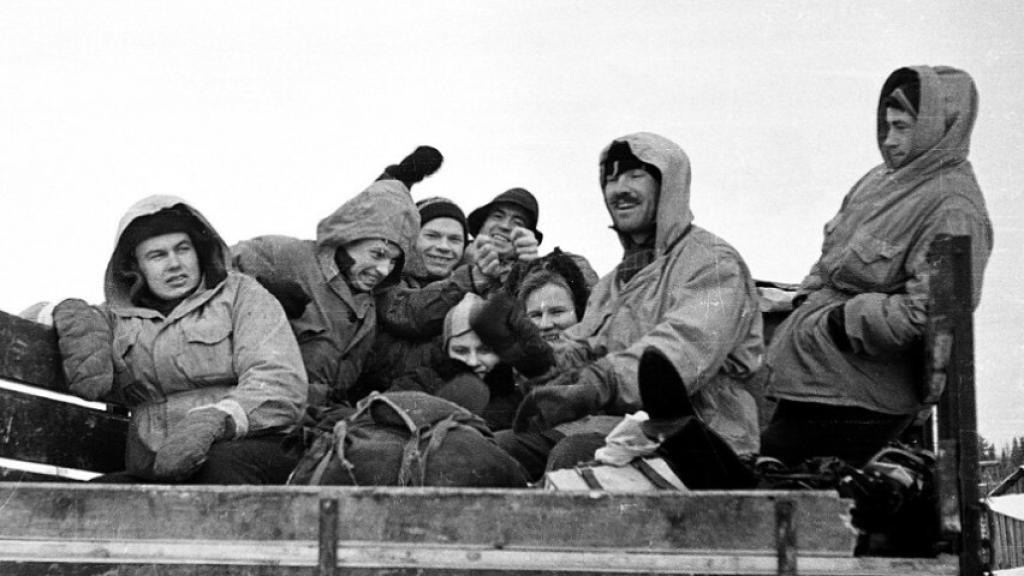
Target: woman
{"type": "Point", "coordinates": [203, 356]}
{"type": "Point", "coordinates": [553, 290]}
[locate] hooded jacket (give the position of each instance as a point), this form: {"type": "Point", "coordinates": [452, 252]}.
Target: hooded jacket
{"type": "Point", "coordinates": [227, 345]}
{"type": "Point", "coordinates": [874, 259]}
{"type": "Point", "coordinates": [336, 329]}
{"type": "Point", "coordinates": [696, 303]}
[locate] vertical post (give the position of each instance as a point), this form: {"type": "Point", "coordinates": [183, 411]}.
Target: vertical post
{"type": "Point", "coordinates": [327, 564]}
{"type": "Point", "coordinates": [785, 537]}
{"type": "Point", "coordinates": [958, 420]}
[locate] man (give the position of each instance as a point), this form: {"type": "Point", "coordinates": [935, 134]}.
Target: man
{"type": "Point", "coordinates": [509, 224]}
{"type": "Point", "coordinates": [411, 314]}
{"type": "Point", "coordinates": [845, 364]}
{"type": "Point", "coordinates": [202, 355]}
{"type": "Point", "coordinates": [679, 289]}
{"type": "Point", "coordinates": [360, 248]}
{"type": "Point", "coordinates": [428, 289]}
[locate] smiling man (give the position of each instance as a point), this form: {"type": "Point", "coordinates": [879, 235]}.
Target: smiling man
{"type": "Point", "coordinates": [679, 289]}
{"type": "Point", "coordinates": [508, 224]}
{"type": "Point", "coordinates": [359, 249]}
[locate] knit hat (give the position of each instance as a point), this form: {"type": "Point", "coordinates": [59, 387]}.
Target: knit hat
{"type": "Point", "coordinates": [456, 322]}
{"type": "Point", "coordinates": [905, 97]}
{"type": "Point", "coordinates": [516, 196]}
{"type": "Point", "coordinates": [621, 159]}
{"type": "Point", "coordinates": [439, 207]}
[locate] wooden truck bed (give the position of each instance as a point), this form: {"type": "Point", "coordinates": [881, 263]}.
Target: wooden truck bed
{"type": "Point", "coordinates": [75, 528]}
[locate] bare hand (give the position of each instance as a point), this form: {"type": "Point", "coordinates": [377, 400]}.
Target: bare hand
{"type": "Point", "coordinates": [525, 243]}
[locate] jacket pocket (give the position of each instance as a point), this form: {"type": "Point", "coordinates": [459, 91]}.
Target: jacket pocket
{"type": "Point", "coordinates": [870, 265]}
{"type": "Point", "coordinates": [207, 355]}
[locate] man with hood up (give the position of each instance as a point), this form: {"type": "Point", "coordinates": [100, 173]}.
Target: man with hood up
{"type": "Point", "coordinates": [202, 355]}
{"type": "Point", "coordinates": [845, 362]}
{"type": "Point", "coordinates": [359, 249]}
{"type": "Point", "coordinates": [679, 289]}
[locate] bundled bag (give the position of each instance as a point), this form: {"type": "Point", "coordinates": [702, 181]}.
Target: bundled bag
{"type": "Point", "coordinates": [896, 508]}
{"type": "Point", "coordinates": [404, 439]}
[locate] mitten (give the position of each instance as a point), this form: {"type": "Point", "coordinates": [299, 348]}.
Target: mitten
{"type": "Point", "coordinates": [185, 448]}
{"type": "Point", "coordinates": [548, 406]}
{"type": "Point", "coordinates": [85, 340]}
{"type": "Point", "coordinates": [290, 294]}
{"type": "Point", "coordinates": [501, 324]}
{"type": "Point", "coordinates": [423, 162]}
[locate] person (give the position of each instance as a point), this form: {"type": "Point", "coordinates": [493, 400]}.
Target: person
{"type": "Point", "coordinates": [678, 289]}
{"type": "Point", "coordinates": [508, 224]}
{"type": "Point", "coordinates": [465, 364]}
{"type": "Point", "coordinates": [360, 249]}
{"type": "Point", "coordinates": [410, 314]}
{"type": "Point", "coordinates": [553, 291]}
{"type": "Point", "coordinates": [428, 289]}
{"type": "Point", "coordinates": [201, 354]}
{"type": "Point", "coordinates": [844, 364]}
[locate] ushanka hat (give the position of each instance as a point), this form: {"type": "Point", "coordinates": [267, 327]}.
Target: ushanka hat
{"type": "Point", "coordinates": [520, 197]}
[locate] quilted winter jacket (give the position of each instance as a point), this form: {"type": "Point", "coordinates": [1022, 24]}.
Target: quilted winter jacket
{"type": "Point", "coordinates": [873, 260]}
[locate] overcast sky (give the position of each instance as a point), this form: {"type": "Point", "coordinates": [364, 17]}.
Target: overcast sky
{"type": "Point", "coordinates": [268, 115]}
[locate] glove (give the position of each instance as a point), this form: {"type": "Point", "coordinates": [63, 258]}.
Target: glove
{"type": "Point", "coordinates": [185, 449]}
{"type": "Point", "coordinates": [837, 328]}
{"type": "Point", "coordinates": [424, 161]}
{"type": "Point", "coordinates": [501, 324]}
{"type": "Point", "coordinates": [85, 340]}
{"type": "Point", "coordinates": [548, 406]}
{"type": "Point", "coordinates": [289, 293]}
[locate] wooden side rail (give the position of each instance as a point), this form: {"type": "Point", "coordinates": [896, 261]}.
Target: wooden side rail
{"type": "Point", "coordinates": [39, 423]}
{"type": "Point", "coordinates": [86, 529]}
{"type": "Point", "coordinates": [134, 530]}
{"type": "Point", "coordinates": [949, 380]}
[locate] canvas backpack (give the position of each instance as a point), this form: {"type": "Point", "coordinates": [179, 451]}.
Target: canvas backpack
{"type": "Point", "coordinates": [405, 439]}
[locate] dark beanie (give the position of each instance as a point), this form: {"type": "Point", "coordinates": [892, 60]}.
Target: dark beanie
{"type": "Point", "coordinates": [516, 196]}
{"type": "Point", "coordinates": [620, 158]}
{"type": "Point", "coordinates": [906, 97]}
{"type": "Point", "coordinates": [439, 207]}
{"type": "Point", "coordinates": [166, 221]}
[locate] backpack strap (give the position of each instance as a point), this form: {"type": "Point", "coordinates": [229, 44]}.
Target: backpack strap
{"type": "Point", "coordinates": [590, 478]}
{"type": "Point", "coordinates": [652, 475]}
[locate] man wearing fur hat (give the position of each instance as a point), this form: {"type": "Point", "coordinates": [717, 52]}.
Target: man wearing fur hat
{"type": "Point", "coordinates": [845, 362]}
{"type": "Point", "coordinates": [360, 249]}
{"type": "Point", "coordinates": [202, 355]}
{"type": "Point", "coordinates": [679, 289]}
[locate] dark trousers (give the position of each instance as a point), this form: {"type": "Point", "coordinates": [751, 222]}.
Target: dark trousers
{"type": "Point", "coordinates": [801, 430]}
{"type": "Point", "coordinates": [256, 460]}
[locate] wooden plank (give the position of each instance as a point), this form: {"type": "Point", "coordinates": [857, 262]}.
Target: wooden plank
{"type": "Point", "coordinates": [498, 518]}
{"type": "Point", "coordinates": [28, 353]}
{"type": "Point", "coordinates": [48, 431]}
{"type": "Point", "coordinates": [958, 428]}
{"type": "Point", "coordinates": [228, 557]}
